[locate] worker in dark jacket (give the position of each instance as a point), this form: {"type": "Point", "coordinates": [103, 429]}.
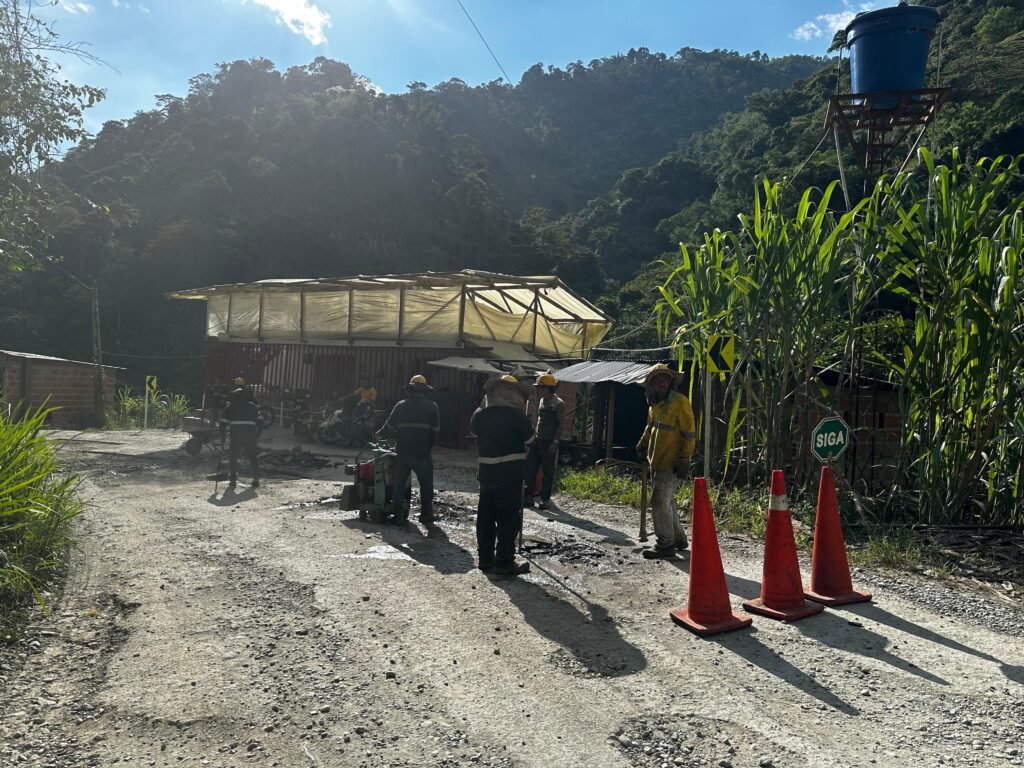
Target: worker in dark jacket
{"type": "Point", "coordinates": [416, 422]}
{"type": "Point", "coordinates": [543, 452]}
{"type": "Point", "coordinates": [242, 421]}
{"type": "Point", "coordinates": [502, 429]}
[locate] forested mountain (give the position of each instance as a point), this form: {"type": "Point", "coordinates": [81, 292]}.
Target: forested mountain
{"type": "Point", "coordinates": [257, 173]}
{"type": "Point", "coordinates": [593, 171]}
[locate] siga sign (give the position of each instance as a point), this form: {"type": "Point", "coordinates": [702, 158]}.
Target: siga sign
{"type": "Point", "coordinates": [830, 438]}
{"type": "Point", "coordinates": [721, 353]}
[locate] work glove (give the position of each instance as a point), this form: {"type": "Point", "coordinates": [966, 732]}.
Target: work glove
{"type": "Point", "coordinates": [682, 468]}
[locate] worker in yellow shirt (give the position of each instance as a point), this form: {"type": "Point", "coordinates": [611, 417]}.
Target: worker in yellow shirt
{"type": "Point", "coordinates": [365, 392]}
{"type": "Point", "coordinates": [667, 445]}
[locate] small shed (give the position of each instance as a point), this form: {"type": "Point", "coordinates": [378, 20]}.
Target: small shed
{"type": "Point", "coordinates": [28, 381]}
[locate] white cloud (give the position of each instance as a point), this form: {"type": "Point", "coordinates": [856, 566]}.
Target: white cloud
{"type": "Point", "coordinates": [76, 7]}
{"type": "Point", "coordinates": [300, 16]}
{"type": "Point", "coordinates": [806, 31]}
{"type": "Point", "coordinates": [828, 23]}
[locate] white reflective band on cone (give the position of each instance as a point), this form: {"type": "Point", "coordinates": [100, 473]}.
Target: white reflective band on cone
{"type": "Point", "coordinates": [778, 504]}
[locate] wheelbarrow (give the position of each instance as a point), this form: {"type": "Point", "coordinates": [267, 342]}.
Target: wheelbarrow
{"type": "Point", "coordinates": [202, 435]}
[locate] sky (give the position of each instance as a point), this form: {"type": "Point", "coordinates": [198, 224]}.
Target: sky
{"type": "Point", "coordinates": [152, 47]}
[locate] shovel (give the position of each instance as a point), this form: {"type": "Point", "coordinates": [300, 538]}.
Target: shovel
{"type": "Point", "coordinates": [643, 502]}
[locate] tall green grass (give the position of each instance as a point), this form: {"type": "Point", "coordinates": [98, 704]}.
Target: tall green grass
{"type": "Point", "coordinates": [166, 410]}
{"type": "Point", "coordinates": [921, 283]}
{"type": "Point", "coordinates": [38, 501]}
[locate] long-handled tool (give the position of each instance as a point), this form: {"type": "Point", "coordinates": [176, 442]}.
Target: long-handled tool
{"type": "Point", "coordinates": [643, 501]}
{"type": "Point", "coordinates": [217, 477]}
{"type": "Point", "coordinates": [522, 504]}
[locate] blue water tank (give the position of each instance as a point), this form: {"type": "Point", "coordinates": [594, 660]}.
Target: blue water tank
{"type": "Point", "coordinates": [889, 48]}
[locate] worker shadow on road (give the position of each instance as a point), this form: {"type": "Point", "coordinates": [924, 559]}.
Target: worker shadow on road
{"type": "Point", "coordinates": [873, 612]}
{"type": "Point", "coordinates": [747, 646]}
{"type": "Point", "coordinates": [230, 498]}
{"type": "Point", "coordinates": [556, 514]}
{"type": "Point", "coordinates": [591, 638]}
{"type": "Point", "coordinates": [431, 547]}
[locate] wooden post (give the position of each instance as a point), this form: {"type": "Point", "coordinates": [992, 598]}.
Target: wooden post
{"type": "Point", "coordinates": [401, 314]}
{"type": "Point", "coordinates": [350, 303]}
{"type": "Point", "coordinates": [707, 425]}
{"type": "Point", "coordinates": [97, 358]}
{"type": "Point", "coordinates": [462, 316]}
{"type": "Point", "coordinates": [610, 424]}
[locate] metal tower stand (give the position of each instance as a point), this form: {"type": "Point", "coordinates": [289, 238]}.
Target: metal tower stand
{"type": "Point", "coordinates": [886, 126]}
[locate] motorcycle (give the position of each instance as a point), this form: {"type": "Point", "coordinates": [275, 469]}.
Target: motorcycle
{"type": "Point", "coordinates": [351, 426]}
{"type": "Point", "coordinates": [304, 425]}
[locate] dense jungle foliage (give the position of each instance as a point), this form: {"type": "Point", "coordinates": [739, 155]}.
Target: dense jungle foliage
{"type": "Point", "coordinates": [594, 171]}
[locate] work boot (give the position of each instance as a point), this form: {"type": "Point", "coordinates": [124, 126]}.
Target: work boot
{"type": "Point", "coordinates": [427, 519]}
{"type": "Point", "coordinates": [544, 504]}
{"type": "Point", "coordinates": [530, 502]}
{"type": "Point", "coordinates": [232, 483]}
{"type": "Point", "coordinates": [487, 566]}
{"type": "Point", "coordinates": [657, 553]}
{"type": "Point", "coordinates": [255, 482]}
{"type": "Point", "coordinates": [512, 569]}
{"type": "Point", "coordinates": [682, 544]}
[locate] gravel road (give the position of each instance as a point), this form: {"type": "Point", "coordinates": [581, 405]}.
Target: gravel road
{"type": "Point", "coordinates": [270, 628]}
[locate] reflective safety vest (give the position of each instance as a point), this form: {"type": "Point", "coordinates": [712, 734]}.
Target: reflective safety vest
{"type": "Point", "coordinates": [671, 432]}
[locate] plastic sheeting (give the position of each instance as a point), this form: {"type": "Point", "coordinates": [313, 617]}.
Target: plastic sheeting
{"type": "Point", "coordinates": [545, 320]}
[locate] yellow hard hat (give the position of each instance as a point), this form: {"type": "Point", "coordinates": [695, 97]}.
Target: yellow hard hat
{"type": "Point", "coordinates": [660, 370]}
{"type": "Point", "coordinates": [509, 379]}
{"type": "Point", "coordinates": [417, 379]}
{"type": "Point", "coordinates": [547, 380]}
{"type": "Point", "coordinates": [239, 382]}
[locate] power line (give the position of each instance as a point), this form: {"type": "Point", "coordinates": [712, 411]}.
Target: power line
{"type": "Point", "coordinates": [484, 41]}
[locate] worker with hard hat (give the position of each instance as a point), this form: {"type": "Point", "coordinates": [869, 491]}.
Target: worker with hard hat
{"type": "Point", "coordinates": [667, 445]}
{"type": "Point", "coordinates": [502, 430]}
{"type": "Point", "coordinates": [241, 418]}
{"type": "Point", "coordinates": [547, 431]}
{"type": "Point", "coordinates": [416, 422]}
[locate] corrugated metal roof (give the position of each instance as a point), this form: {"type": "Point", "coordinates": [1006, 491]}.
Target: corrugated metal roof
{"type": "Point", "coordinates": [596, 371]}
{"type": "Point", "coordinates": [49, 359]}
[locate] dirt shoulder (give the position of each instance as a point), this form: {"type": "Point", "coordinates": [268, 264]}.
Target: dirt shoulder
{"type": "Point", "coordinates": [265, 628]}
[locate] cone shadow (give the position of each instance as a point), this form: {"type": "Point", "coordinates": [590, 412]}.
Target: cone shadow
{"type": "Point", "coordinates": [748, 647]}
{"type": "Point", "coordinates": [835, 631]}
{"type": "Point", "coordinates": [873, 612]}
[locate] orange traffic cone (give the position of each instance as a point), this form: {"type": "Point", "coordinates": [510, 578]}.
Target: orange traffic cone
{"type": "Point", "coordinates": [708, 610]}
{"type": "Point", "coordinates": [782, 591]}
{"type": "Point", "coordinates": [830, 570]}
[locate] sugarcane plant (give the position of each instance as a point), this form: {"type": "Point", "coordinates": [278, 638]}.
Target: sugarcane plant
{"type": "Point", "coordinates": [931, 258]}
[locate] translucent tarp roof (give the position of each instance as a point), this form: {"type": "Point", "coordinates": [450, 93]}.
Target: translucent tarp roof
{"type": "Point", "coordinates": [539, 313]}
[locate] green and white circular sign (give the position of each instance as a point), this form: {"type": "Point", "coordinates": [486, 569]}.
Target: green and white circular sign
{"type": "Point", "coordinates": [830, 438]}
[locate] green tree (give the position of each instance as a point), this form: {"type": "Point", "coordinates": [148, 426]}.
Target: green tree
{"type": "Point", "coordinates": [39, 112]}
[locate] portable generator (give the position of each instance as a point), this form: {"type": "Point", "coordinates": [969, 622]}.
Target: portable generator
{"type": "Point", "coordinates": [371, 489]}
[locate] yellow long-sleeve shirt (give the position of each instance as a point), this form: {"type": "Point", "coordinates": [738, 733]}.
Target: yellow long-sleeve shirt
{"type": "Point", "coordinates": [671, 432]}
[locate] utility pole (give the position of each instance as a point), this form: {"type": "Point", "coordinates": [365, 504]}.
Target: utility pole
{"type": "Point", "coordinates": [97, 358]}
{"type": "Point", "coordinates": [97, 346]}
